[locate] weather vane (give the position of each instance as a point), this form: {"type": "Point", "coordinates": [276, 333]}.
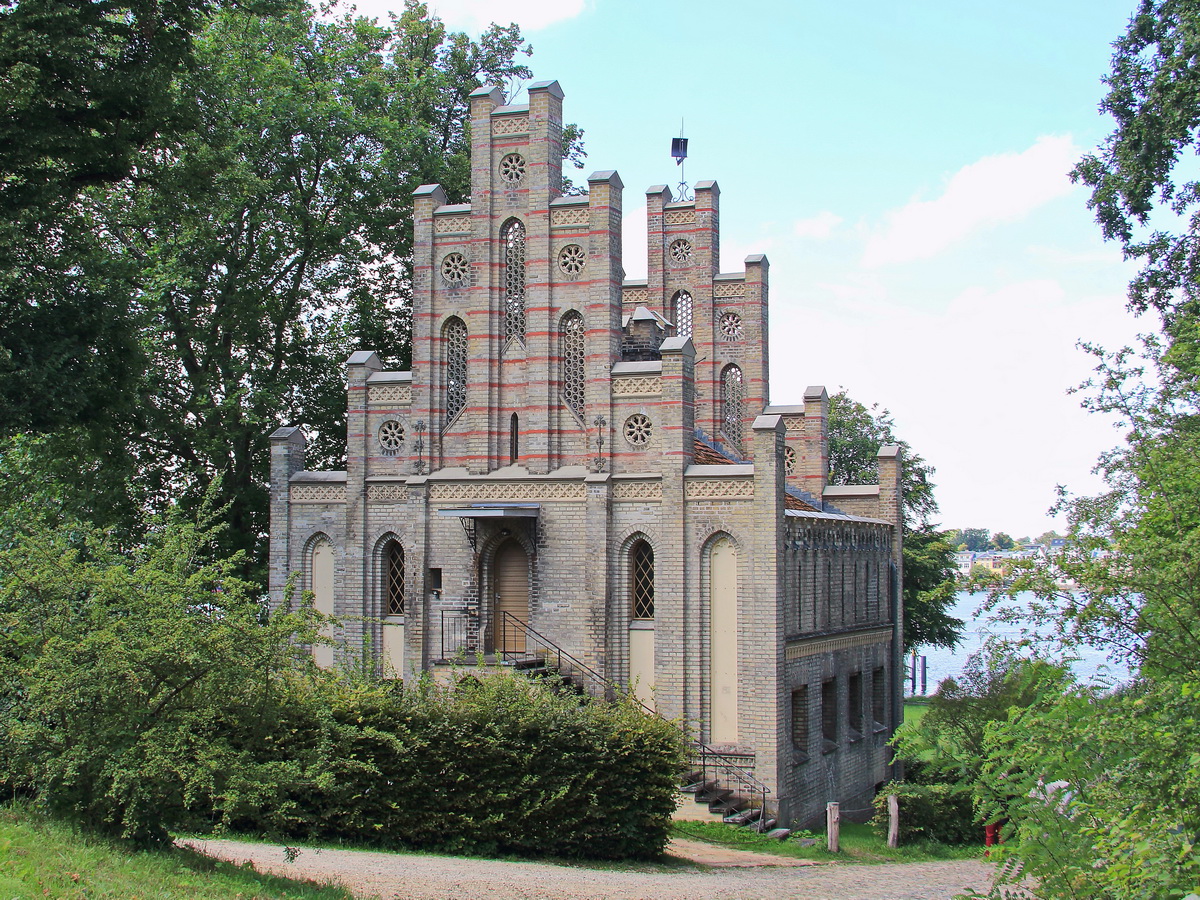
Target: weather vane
{"type": "Point", "coordinates": [679, 154]}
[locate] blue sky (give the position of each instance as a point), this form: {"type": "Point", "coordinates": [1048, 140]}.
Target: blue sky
{"type": "Point", "coordinates": [903, 166]}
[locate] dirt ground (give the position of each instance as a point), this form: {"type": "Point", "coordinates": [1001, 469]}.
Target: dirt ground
{"type": "Point", "coordinates": [701, 871]}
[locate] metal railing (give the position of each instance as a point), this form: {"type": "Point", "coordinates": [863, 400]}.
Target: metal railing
{"type": "Point", "coordinates": [517, 641]}
{"type": "Point", "coordinates": [460, 634]}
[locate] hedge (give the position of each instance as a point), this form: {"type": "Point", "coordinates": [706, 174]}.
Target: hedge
{"type": "Point", "coordinates": [933, 812]}
{"type": "Point", "coordinates": [494, 765]}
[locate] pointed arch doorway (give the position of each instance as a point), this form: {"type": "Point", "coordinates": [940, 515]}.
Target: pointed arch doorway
{"type": "Point", "coordinates": [510, 596]}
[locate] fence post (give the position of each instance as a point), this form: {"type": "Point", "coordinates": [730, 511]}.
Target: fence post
{"type": "Point", "coordinates": [893, 821]}
{"type": "Point", "coordinates": [833, 826]}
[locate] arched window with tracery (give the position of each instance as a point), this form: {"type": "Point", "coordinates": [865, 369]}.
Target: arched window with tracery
{"type": "Point", "coordinates": [512, 242]}
{"type": "Point", "coordinates": [733, 394]}
{"type": "Point", "coordinates": [570, 333]}
{"type": "Point", "coordinates": [454, 343]}
{"type": "Point", "coordinates": [393, 579]}
{"type": "Point", "coordinates": [681, 313]}
{"type": "Point", "coordinates": [641, 580]}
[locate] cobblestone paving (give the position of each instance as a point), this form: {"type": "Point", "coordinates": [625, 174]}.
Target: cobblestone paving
{"type": "Point", "coordinates": [426, 877]}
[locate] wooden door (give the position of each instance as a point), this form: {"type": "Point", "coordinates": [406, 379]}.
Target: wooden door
{"type": "Point", "coordinates": [511, 578]}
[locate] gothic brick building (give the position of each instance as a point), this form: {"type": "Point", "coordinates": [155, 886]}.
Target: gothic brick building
{"type": "Point", "coordinates": [586, 462]}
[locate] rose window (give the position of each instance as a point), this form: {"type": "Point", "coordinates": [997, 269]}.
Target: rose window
{"type": "Point", "coordinates": [789, 460]}
{"type": "Point", "coordinates": [391, 437]}
{"type": "Point", "coordinates": [730, 326]}
{"type": "Point", "coordinates": [571, 259]}
{"type": "Point", "coordinates": [512, 168]}
{"type": "Point", "coordinates": [455, 268]}
{"type": "Point", "coordinates": [638, 429]}
{"type": "Point", "coordinates": [680, 251]}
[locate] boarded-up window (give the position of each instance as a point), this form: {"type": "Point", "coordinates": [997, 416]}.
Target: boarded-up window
{"type": "Point", "coordinates": [800, 719]}
{"type": "Point", "coordinates": [879, 697]}
{"type": "Point", "coordinates": [856, 706]}
{"type": "Point", "coordinates": [829, 714]}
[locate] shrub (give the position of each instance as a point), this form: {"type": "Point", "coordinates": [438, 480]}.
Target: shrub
{"type": "Point", "coordinates": [144, 691]}
{"type": "Point", "coordinates": [492, 765]}
{"type": "Point", "coordinates": [933, 812]}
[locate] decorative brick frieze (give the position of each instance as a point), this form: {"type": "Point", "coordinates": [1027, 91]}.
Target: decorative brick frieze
{"type": "Point", "coordinates": [637, 386]}
{"type": "Point", "coordinates": [571, 217]}
{"type": "Point", "coordinates": [637, 490]}
{"type": "Point", "coordinates": [452, 224]}
{"type": "Point", "coordinates": [719, 489]}
{"type": "Point", "coordinates": [505, 125]}
{"type": "Point", "coordinates": [818, 644]}
{"type": "Point", "coordinates": [509, 491]}
{"type": "Point", "coordinates": [318, 493]}
{"type": "Point", "coordinates": [389, 394]}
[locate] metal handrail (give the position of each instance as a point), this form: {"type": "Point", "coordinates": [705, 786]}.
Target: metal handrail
{"type": "Point", "coordinates": [610, 689]}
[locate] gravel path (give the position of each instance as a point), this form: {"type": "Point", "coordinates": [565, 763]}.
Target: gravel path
{"type": "Point", "coordinates": [426, 877]}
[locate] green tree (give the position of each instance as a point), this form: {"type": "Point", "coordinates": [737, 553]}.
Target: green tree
{"type": "Point", "coordinates": [84, 88]}
{"type": "Point", "coordinates": [1102, 788]}
{"type": "Point", "coordinates": [1001, 541]}
{"type": "Point", "coordinates": [273, 236]}
{"type": "Point", "coordinates": [856, 432]}
{"type": "Point", "coordinates": [975, 539]}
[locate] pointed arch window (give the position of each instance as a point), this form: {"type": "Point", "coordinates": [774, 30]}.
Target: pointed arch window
{"type": "Point", "coordinates": [641, 580]}
{"type": "Point", "coordinates": [454, 343]}
{"type": "Point", "coordinates": [733, 394]}
{"type": "Point", "coordinates": [393, 579]}
{"type": "Point", "coordinates": [512, 242]}
{"type": "Point", "coordinates": [681, 313]}
{"type": "Point", "coordinates": [514, 429]}
{"type": "Point", "coordinates": [570, 333]}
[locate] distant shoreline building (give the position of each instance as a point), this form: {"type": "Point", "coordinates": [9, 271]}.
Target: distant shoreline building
{"type": "Point", "coordinates": [582, 461]}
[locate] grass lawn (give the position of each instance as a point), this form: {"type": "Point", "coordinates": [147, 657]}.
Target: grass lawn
{"type": "Point", "coordinates": [40, 859]}
{"type": "Point", "coordinates": [914, 711]}
{"type": "Point", "coordinates": [859, 844]}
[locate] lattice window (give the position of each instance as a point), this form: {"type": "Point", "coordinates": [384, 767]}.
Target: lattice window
{"type": "Point", "coordinates": [454, 337]}
{"type": "Point", "coordinates": [732, 395]}
{"type": "Point", "coordinates": [638, 429]}
{"type": "Point", "coordinates": [570, 331]}
{"type": "Point", "coordinates": [393, 579]}
{"type": "Point", "coordinates": [455, 268]}
{"type": "Point", "coordinates": [680, 251]}
{"type": "Point", "coordinates": [682, 314]}
{"type": "Point", "coordinates": [641, 581]}
{"type": "Point", "coordinates": [512, 168]}
{"type": "Point", "coordinates": [512, 240]}
{"type": "Point", "coordinates": [730, 327]}
{"type": "Point", "coordinates": [571, 260]}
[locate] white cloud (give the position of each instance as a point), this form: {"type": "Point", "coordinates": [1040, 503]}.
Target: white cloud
{"type": "Point", "coordinates": [818, 227]}
{"type": "Point", "coordinates": [978, 388]}
{"type": "Point", "coordinates": [476, 15]}
{"type": "Point", "coordinates": [996, 189]}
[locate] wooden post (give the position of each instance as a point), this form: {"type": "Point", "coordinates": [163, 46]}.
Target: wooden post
{"type": "Point", "coordinates": [833, 826]}
{"type": "Point", "coordinates": [893, 821]}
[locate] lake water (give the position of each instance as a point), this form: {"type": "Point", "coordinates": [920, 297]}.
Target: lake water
{"type": "Point", "coordinates": [1091, 666]}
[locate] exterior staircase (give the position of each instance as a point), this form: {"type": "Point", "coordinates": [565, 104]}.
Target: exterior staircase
{"type": "Point", "coordinates": [729, 790]}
